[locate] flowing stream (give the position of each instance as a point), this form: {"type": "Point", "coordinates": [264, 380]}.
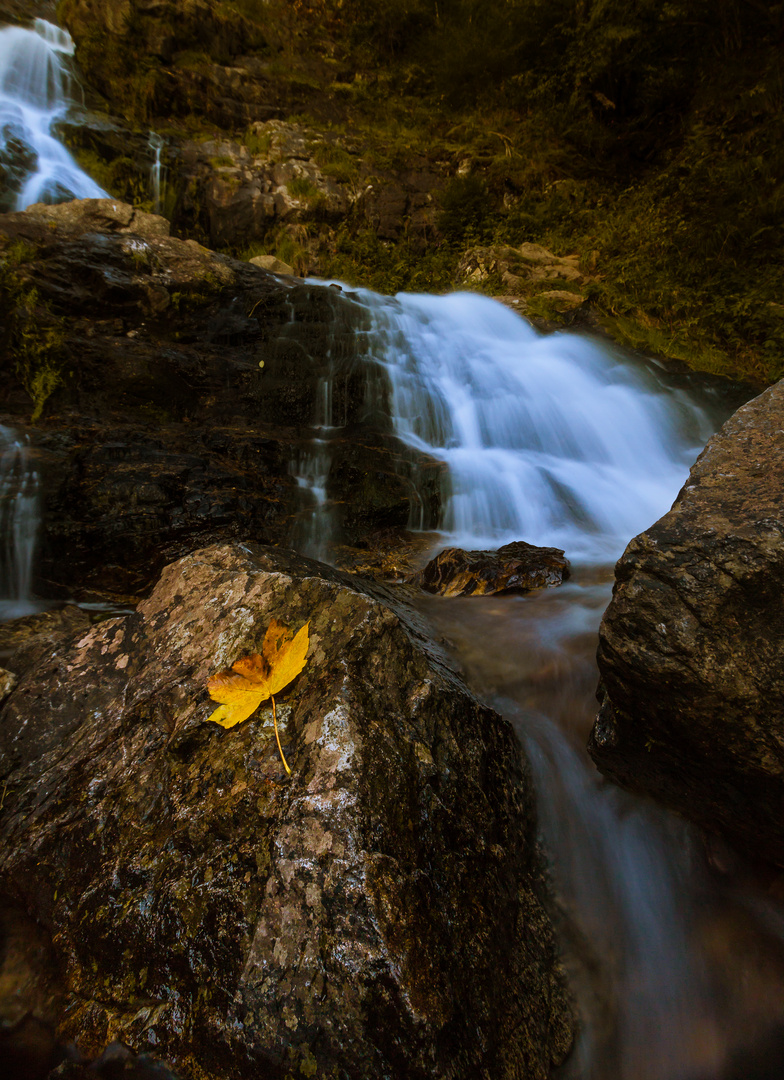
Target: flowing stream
{"type": "Point", "coordinates": [37, 90]}
{"type": "Point", "coordinates": [559, 440]}
{"type": "Point", "coordinates": [554, 440]}
{"type": "Point", "coordinates": [550, 439]}
{"type": "Point", "coordinates": [20, 520]}
{"type": "Point", "coordinates": [156, 144]}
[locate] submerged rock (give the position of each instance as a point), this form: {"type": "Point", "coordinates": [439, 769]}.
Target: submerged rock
{"type": "Point", "coordinates": [164, 884]}
{"type": "Point", "coordinates": [691, 650]}
{"type": "Point", "coordinates": [517, 567]}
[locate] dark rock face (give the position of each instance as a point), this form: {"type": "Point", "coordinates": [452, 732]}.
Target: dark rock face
{"type": "Point", "coordinates": [163, 883]}
{"type": "Point", "coordinates": [182, 393]}
{"type": "Point", "coordinates": [24, 11]}
{"type": "Point", "coordinates": [517, 567]}
{"type": "Point", "coordinates": [691, 649]}
{"type": "Point", "coordinates": [18, 159]}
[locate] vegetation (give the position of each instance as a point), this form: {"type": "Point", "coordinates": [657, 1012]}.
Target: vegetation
{"type": "Point", "coordinates": [647, 137]}
{"type": "Point", "coordinates": [31, 334]}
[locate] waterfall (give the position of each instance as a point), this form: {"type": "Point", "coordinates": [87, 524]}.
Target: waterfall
{"type": "Point", "coordinates": [549, 439]}
{"type": "Point", "coordinates": [558, 440]}
{"type": "Point", "coordinates": [315, 527]}
{"type": "Point", "coordinates": [157, 171]}
{"type": "Point", "coordinates": [35, 92]}
{"type": "Point", "coordinates": [19, 525]}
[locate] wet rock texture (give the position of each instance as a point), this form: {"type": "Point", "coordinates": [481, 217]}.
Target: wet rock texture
{"type": "Point", "coordinates": [184, 395]}
{"type": "Point", "coordinates": [517, 567]}
{"type": "Point", "coordinates": [23, 11]}
{"type": "Point", "coordinates": [691, 649]}
{"type": "Point", "coordinates": [163, 882]}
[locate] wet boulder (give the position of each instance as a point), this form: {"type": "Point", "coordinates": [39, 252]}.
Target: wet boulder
{"type": "Point", "coordinates": [177, 394]}
{"type": "Point", "coordinates": [691, 650]}
{"type": "Point", "coordinates": [516, 567]}
{"type": "Point", "coordinates": [18, 160]}
{"type": "Point", "coordinates": [164, 884]}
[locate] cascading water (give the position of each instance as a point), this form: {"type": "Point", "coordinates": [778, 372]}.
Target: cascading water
{"type": "Point", "coordinates": [19, 526]}
{"type": "Point", "coordinates": [315, 528]}
{"type": "Point", "coordinates": [558, 441]}
{"type": "Point", "coordinates": [35, 92]}
{"type": "Point", "coordinates": [547, 439]}
{"type": "Point", "coordinates": [157, 171]}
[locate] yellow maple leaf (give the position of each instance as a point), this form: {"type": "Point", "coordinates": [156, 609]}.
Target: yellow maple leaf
{"type": "Point", "coordinates": [255, 678]}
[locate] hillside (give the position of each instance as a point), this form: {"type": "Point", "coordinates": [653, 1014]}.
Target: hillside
{"type": "Point", "coordinates": [384, 142]}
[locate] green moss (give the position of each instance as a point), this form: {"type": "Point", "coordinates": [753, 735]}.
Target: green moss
{"type": "Point", "coordinates": [34, 338]}
{"type": "Point", "coordinates": [17, 254]}
{"type": "Point", "coordinates": [257, 142]}
{"type": "Point", "coordinates": [361, 258]}
{"type": "Point", "coordinates": [305, 190]}
{"type": "Point", "coordinates": [193, 60]}
{"type": "Point", "coordinates": [250, 252]}
{"type": "Point", "coordinates": [336, 162]}
{"type": "Point", "coordinates": [466, 210]}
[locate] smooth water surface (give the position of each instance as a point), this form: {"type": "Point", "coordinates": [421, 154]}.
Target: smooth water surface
{"type": "Point", "coordinates": [678, 971]}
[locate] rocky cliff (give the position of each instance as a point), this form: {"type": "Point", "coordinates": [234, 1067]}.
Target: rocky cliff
{"type": "Point", "coordinates": [175, 393]}
{"type": "Point", "coordinates": [691, 649]}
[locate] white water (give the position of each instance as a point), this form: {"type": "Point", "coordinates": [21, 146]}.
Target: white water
{"type": "Point", "coordinates": [19, 526]}
{"type": "Point", "coordinates": [549, 439]}
{"type": "Point", "coordinates": [559, 441]}
{"type": "Point", "coordinates": [36, 91]}
{"type": "Point", "coordinates": [315, 527]}
{"type": "Point", "coordinates": [157, 171]}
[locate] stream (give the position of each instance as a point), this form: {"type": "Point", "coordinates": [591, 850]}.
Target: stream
{"type": "Point", "coordinates": [566, 441]}
{"type": "Point", "coordinates": [558, 440]}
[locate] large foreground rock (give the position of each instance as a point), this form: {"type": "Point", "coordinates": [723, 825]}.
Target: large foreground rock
{"type": "Point", "coordinates": [691, 649]}
{"type": "Point", "coordinates": [164, 883]}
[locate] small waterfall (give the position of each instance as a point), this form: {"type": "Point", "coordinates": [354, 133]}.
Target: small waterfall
{"type": "Point", "coordinates": [19, 525]}
{"type": "Point", "coordinates": [157, 171]}
{"type": "Point", "coordinates": [315, 529]}
{"type": "Point", "coordinates": [559, 441]}
{"type": "Point", "coordinates": [549, 439]}
{"type": "Point", "coordinates": [35, 92]}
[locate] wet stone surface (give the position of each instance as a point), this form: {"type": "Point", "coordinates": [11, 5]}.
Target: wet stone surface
{"type": "Point", "coordinates": [163, 883]}
{"type": "Point", "coordinates": [185, 397]}
{"type": "Point", "coordinates": [691, 648]}
{"type": "Point", "coordinates": [516, 567]}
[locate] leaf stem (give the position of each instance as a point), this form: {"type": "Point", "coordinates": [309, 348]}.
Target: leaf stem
{"type": "Point", "coordinates": [277, 736]}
